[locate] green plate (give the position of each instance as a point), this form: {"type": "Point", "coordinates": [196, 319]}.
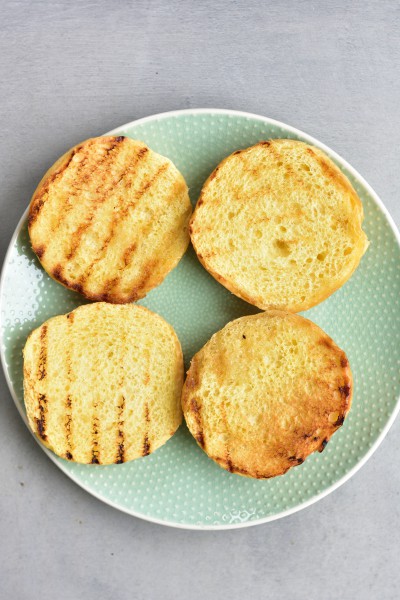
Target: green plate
{"type": "Point", "coordinates": [178, 485]}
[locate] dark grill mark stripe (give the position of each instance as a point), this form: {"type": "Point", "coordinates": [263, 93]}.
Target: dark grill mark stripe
{"type": "Point", "coordinates": [108, 288]}
{"type": "Point", "coordinates": [146, 446]}
{"type": "Point", "coordinates": [34, 211]}
{"type": "Point", "coordinates": [42, 364]}
{"type": "Point", "coordinates": [146, 442]}
{"type": "Point", "coordinates": [95, 438]}
{"type": "Point", "coordinates": [76, 238]}
{"type": "Point", "coordinates": [41, 421]}
{"type": "Point", "coordinates": [121, 445]}
{"type": "Point", "coordinates": [129, 252]}
{"type": "Point", "coordinates": [58, 274]}
{"type": "Point", "coordinates": [68, 402]}
{"type": "Point", "coordinates": [68, 423]}
{"type": "Point", "coordinates": [231, 466]}
{"type": "Point", "coordinates": [41, 374]}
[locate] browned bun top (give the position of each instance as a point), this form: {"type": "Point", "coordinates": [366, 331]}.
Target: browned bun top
{"type": "Point", "coordinates": [103, 383]}
{"type": "Point", "coordinates": [279, 225]}
{"type": "Point", "coordinates": [110, 219]}
{"type": "Point", "coordinates": [265, 392]}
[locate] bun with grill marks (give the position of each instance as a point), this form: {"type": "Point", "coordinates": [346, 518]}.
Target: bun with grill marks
{"type": "Point", "coordinates": [110, 219]}
{"type": "Point", "coordinates": [103, 383]}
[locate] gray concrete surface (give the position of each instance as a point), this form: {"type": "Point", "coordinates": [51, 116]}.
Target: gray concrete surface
{"type": "Point", "coordinates": [73, 69]}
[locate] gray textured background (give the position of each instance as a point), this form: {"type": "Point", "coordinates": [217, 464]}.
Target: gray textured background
{"type": "Point", "coordinates": [74, 69]}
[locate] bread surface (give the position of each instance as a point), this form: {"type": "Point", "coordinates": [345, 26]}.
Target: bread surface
{"type": "Point", "coordinates": [279, 225]}
{"type": "Point", "coordinates": [110, 219]}
{"type": "Point", "coordinates": [103, 383]}
{"type": "Point", "coordinates": [265, 392]}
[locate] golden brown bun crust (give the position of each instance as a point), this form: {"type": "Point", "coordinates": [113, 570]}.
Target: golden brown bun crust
{"type": "Point", "coordinates": [279, 225]}
{"type": "Point", "coordinates": [110, 219]}
{"type": "Point", "coordinates": [103, 383]}
{"type": "Point", "coordinates": [265, 392]}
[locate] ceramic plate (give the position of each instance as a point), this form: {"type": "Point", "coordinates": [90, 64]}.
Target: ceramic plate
{"type": "Point", "coordinates": [178, 485]}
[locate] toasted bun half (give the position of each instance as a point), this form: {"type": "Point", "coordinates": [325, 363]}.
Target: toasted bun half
{"type": "Point", "coordinates": [265, 392]}
{"type": "Point", "coordinates": [110, 219]}
{"type": "Point", "coordinates": [279, 225]}
{"type": "Point", "coordinates": [103, 383]}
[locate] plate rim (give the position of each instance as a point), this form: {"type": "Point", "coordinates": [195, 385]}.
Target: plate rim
{"type": "Point", "coordinates": [262, 520]}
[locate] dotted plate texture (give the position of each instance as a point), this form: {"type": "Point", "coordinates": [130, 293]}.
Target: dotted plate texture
{"type": "Point", "coordinates": [178, 485]}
